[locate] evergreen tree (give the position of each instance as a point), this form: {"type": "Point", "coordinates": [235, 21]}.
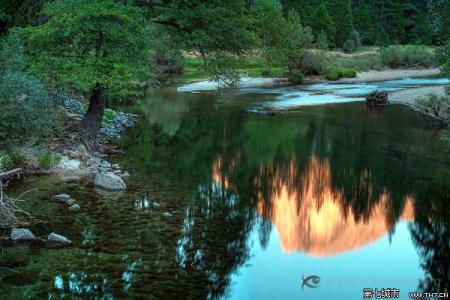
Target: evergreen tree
{"type": "Point", "coordinates": [364, 22]}
{"type": "Point", "coordinates": [322, 23]}
{"type": "Point", "coordinates": [342, 19]}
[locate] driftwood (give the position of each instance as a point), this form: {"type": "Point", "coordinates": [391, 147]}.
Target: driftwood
{"type": "Point", "coordinates": [377, 98]}
{"type": "Point", "coordinates": [9, 209]}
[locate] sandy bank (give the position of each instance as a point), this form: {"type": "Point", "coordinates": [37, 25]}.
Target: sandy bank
{"type": "Point", "coordinates": [391, 74]}
{"type": "Point", "coordinates": [409, 96]}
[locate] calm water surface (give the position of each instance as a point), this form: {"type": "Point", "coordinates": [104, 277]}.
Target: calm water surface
{"type": "Point", "coordinates": [358, 197]}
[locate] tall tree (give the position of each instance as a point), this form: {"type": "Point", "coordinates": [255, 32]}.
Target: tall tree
{"type": "Point", "coordinates": [98, 47]}
{"type": "Point", "coordinates": [322, 22]}
{"type": "Point", "coordinates": [342, 19]}
{"type": "Point", "coordinates": [364, 22]}
{"type": "Point", "coordinates": [441, 12]}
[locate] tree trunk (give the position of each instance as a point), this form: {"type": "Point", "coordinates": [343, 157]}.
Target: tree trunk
{"type": "Point", "coordinates": [93, 118]}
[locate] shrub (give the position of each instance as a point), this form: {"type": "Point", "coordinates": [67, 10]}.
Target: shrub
{"type": "Point", "coordinates": [436, 110]}
{"type": "Point", "coordinates": [346, 73]}
{"type": "Point", "coordinates": [349, 46]}
{"type": "Point", "coordinates": [408, 56]}
{"type": "Point", "coordinates": [295, 77]}
{"type": "Point", "coordinates": [313, 62]}
{"type": "Point", "coordinates": [332, 75]}
{"type": "Point", "coordinates": [5, 160]}
{"type": "Point", "coordinates": [337, 73]}
{"type": "Point", "coordinates": [108, 116]}
{"type": "Point", "coordinates": [322, 41]}
{"type": "Point", "coordinates": [356, 38]}
{"type": "Point", "coordinates": [48, 160]}
{"type": "Point", "coordinates": [24, 101]}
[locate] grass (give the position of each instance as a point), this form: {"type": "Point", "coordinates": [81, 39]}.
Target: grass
{"type": "Point", "coordinates": [48, 160]}
{"type": "Point", "coordinates": [332, 64]}
{"type": "Point", "coordinates": [9, 158]}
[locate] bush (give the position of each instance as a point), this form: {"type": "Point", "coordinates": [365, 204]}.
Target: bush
{"type": "Point", "coordinates": [313, 62]}
{"type": "Point", "coordinates": [408, 56]}
{"type": "Point", "coordinates": [349, 46]}
{"type": "Point", "coordinates": [24, 101]}
{"type": "Point", "coordinates": [436, 110]}
{"type": "Point", "coordinates": [9, 158]}
{"type": "Point", "coordinates": [356, 38]}
{"type": "Point", "coordinates": [48, 160]}
{"type": "Point", "coordinates": [295, 77]}
{"type": "Point", "coordinates": [332, 75]}
{"type": "Point", "coordinates": [337, 73]}
{"type": "Point", "coordinates": [346, 73]}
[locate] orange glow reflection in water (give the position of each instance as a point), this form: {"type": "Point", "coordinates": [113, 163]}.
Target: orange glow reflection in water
{"type": "Point", "coordinates": [318, 223]}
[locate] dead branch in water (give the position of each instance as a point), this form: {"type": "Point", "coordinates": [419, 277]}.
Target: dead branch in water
{"type": "Point", "coordinates": [10, 173]}
{"type": "Point", "coordinates": [9, 208]}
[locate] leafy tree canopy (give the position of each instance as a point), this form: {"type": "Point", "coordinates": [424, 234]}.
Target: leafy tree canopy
{"type": "Point", "coordinates": [84, 43]}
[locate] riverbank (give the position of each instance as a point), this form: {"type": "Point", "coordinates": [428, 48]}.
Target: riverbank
{"type": "Point", "coordinates": [390, 74]}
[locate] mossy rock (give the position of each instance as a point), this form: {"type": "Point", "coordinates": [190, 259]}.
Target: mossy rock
{"type": "Point", "coordinates": [347, 73]}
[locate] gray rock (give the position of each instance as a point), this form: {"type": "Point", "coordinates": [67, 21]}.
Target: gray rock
{"type": "Point", "coordinates": [167, 215]}
{"type": "Point", "coordinates": [71, 202]}
{"type": "Point", "coordinates": [117, 172]}
{"type": "Point", "coordinates": [156, 205]}
{"type": "Point", "coordinates": [60, 239]}
{"type": "Point", "coordinates": [109, 181]}
{"type": "Point", "coordinates": [116, 166]}
{"type": "Point", "coordinates": [62, 198]}
{"type": "Point", "coordinates": [104, 169]}
{"type": "Point", "coordinates": [74, 208]}
{"type": "Point", "coordinates": [125, 175]}
{"type": "Point", "coordinates": [105, 164]}
{"type": "Point", "coordinates": [21, 234]}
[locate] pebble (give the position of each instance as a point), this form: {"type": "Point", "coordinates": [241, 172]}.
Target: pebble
{"type": "Point", "coordinates": [125, 175]}
{"type": "Point", "coordinates": [156, 205]}
{"type": "Point", "coordinates": [71, 202]}
{"type": "Point", "coordinates": [74, 208]}
{"type": "Point", "coordinates": [167, 215]}
{"type": "Point", "coordinates": [60, 239]}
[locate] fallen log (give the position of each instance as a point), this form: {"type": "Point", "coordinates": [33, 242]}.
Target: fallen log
{"type": "Point", "coordinates": [10, 173]}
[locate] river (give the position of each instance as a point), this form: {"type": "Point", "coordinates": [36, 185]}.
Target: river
{"type": "Point", "coordinates": [311, 202]}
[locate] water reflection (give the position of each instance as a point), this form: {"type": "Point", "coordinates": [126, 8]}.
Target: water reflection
{"type": "Point", "coordinates": [311, 215]}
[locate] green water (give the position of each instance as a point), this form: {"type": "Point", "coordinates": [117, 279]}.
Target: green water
{"type": "Point", "coordinates": [356, 196]}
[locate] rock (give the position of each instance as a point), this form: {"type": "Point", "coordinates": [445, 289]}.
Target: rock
{"type": "Point", "coordinates": [377, 98]}
{"type": "Point", "coordinates": [117, 172]}
{"type": "Point", "coordinates": [104, 169]}
{"type": "Point", "coordinates": [60, 239]}
{"type": "Point", "coordinates": [116, 166]}
{"type": "Point", "coordinates": [62, 198]}
{"type": "Point", "coordinates": [71, 202]}
{"type": "Point", "coordinates": [74, 208]}
{"type": "Point", "coordinates": [167, 215]}
{"type": "Point", "coordinates": [105, 164]}
{"type": "Point", "coordinates": [109, 181]}
{"type": "Point", "coordinates": [21, 234]}
{"type": "Point", "coordinates": [71, 154]}
{"type": "Point", "coordinates": [125, 175]}
{"type": "Point", "coordinates": [156, 205]}
{"type": "Point", "coordinates": [69, 164]}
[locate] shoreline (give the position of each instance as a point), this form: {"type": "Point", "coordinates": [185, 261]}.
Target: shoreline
{"type": "Point", "coordinates": [362, 77]}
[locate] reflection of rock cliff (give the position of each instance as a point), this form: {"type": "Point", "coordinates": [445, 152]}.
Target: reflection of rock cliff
{"type": "Point", "coordinates": [310, 215]}
{"type": "Point", "coordinates": [318, 223]}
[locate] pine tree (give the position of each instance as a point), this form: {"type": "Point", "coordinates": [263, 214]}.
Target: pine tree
{"type": "Point", "coordinates": [342, 19]}
{"type": "Point", "coordinates": [364, 22]}
{"type": "Point", "coordinates": [322, 23]}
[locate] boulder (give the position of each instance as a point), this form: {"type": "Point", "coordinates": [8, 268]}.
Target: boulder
{"type": "Point", "coordinates": [59, 239]}
{"type": "Point", "coordinates": [125, 175]}
{"type": "Point", "coordinates": [109, 181]}
{"type": "Point", "coordinates": [105, 164]}
{"type": "Point", "coordinates": [74, 208]}
{"type": "Point", "coordinates": [62, 198]}
{"type": "Point", "coordinates": [21, 234]}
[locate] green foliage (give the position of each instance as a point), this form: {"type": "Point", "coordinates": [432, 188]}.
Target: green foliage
{"type": "Point", "coordinates": [322, 24]}
{"type": "Point", "coordinates": [49, 160]}
{"type": "Point", "coordinates": [349, 46]}
{"type": "Point", "coordinates": [9, 158]}
{"type": "Point", "coordinates": [322, 41]}
{"type": "Point", "coordinates": [109, 116]}
{"type": "Point", "coordinates": [338, 73]}
{"type": "Point", "coordinates": [26, 116]}
{"type": "Point", "coordinates": [408, 56]}
{"type": "Point", "coordinates": [295, 77]}
{"type": "Point", "coordinates": [88, 42]}
{"type": "Point", "coordinates": [364, 19]}
{"type": "Point", "coordinates": [314, 62]}
{"type": "Point", "coordinates": [342, 19]}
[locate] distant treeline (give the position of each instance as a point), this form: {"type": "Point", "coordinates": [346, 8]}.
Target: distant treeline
{"type": "Point", "coordinates": [379, 22]}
